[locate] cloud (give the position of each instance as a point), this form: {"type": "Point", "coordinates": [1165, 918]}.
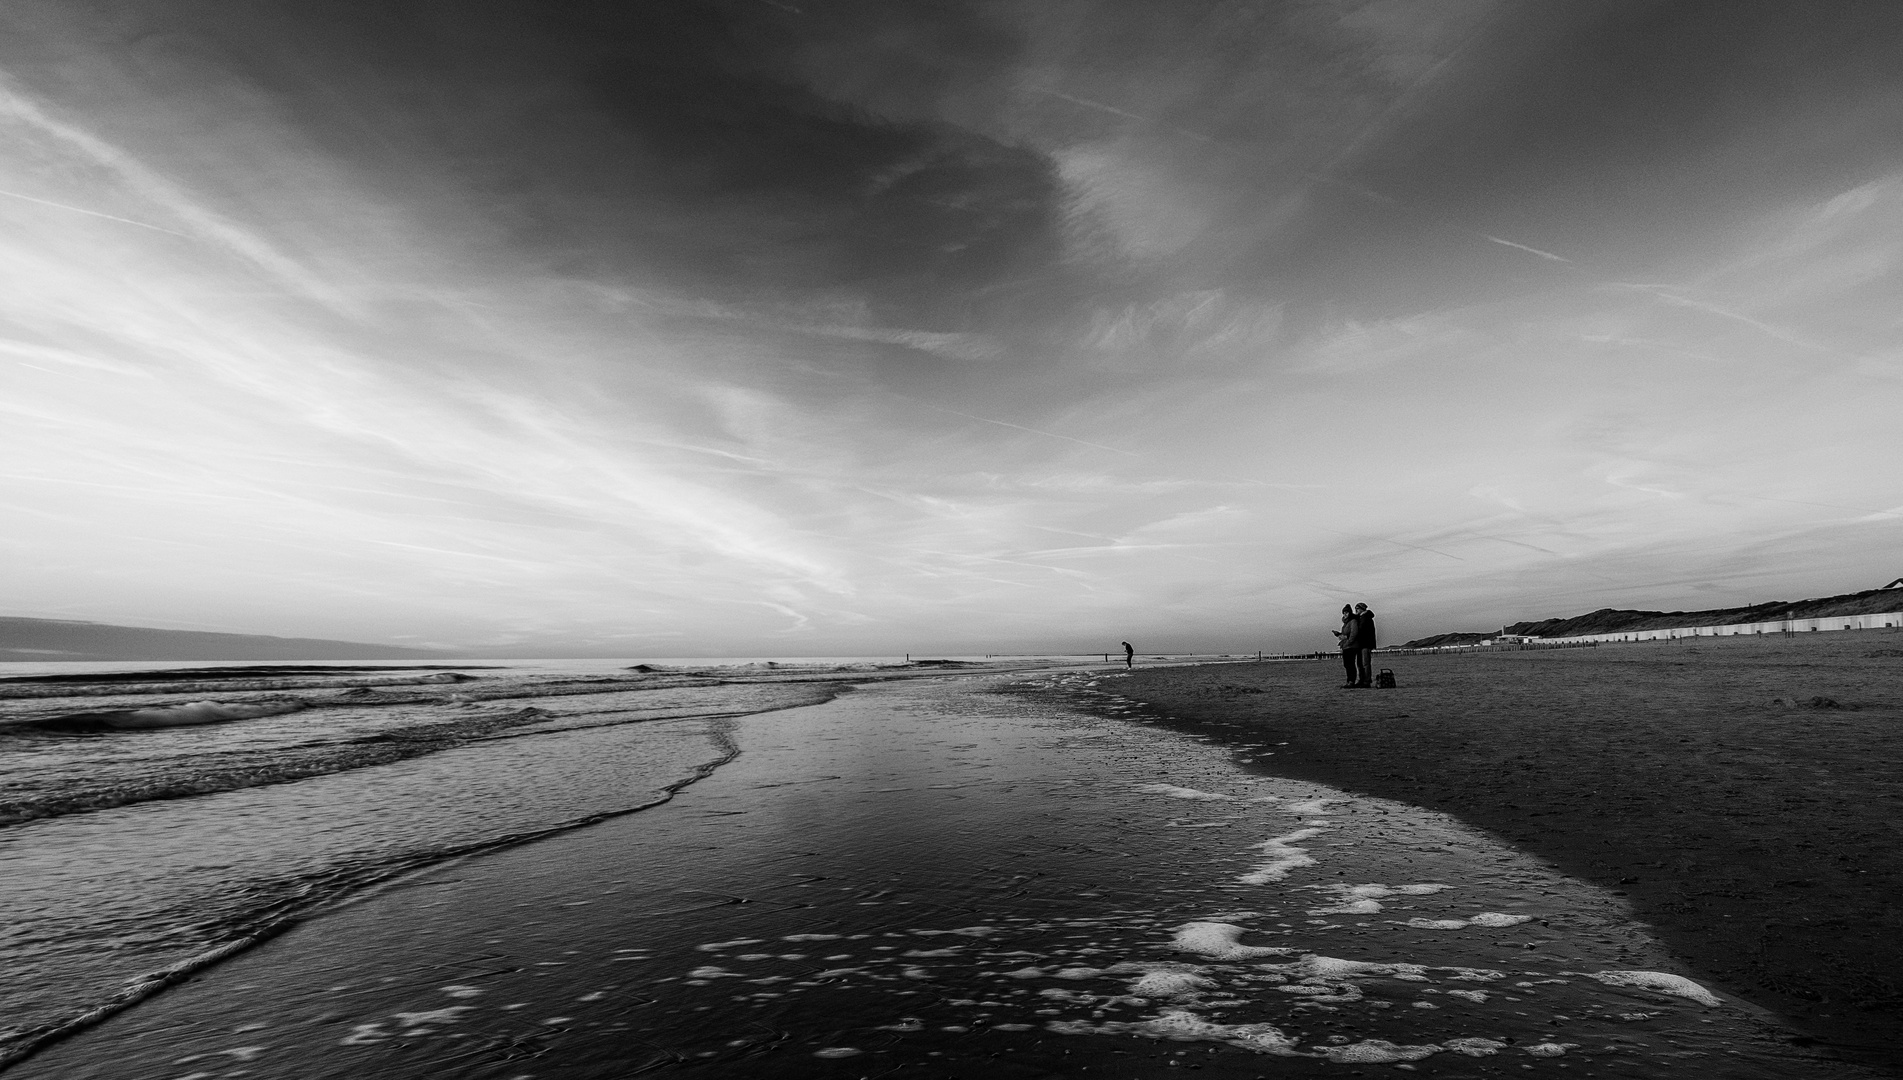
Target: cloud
{"type": "Point", "coordinates": [1493, 494]}
{"type": "Point", "coordinates": [145, 184]}
{"type": "Point", "coordinates": [697, 326]}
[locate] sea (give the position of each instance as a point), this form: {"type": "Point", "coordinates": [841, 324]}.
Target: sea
{"type": "Point", "coordinates": [891, 867]}
{"type": "Point", "coordinates": [129, 856]}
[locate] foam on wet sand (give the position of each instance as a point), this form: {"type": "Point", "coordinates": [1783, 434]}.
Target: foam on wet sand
{"type": "Point", "coordinates": [1282, 857]}
{"type": "Point", "coordinates": [1253, 975]}
{"type": "Point", "coordinates": [1176, 792]}
{"type": "Point", "coordinates": [1220, 941]}
{"type": "Point", "coordinates": [1659, 982]}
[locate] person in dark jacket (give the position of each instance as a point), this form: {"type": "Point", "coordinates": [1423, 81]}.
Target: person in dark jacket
{"type": "Point", "coordinates": [1364, 644]}
{"type": "Point", "coordinates": [1342, 637]}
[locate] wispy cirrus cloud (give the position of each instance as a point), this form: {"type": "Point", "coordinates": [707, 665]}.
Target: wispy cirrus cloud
{"type": "Point", "coordinates": [953, 327]}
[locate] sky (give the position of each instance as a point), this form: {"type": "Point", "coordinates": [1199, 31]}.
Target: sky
{"type": "Point", "coordinates": [844, 327]}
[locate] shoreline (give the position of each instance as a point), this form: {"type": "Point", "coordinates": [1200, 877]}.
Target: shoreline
{"type": "Point", "coordinates": [964, 879]}
{"type": "Point", "coordinates": [1742, 794]}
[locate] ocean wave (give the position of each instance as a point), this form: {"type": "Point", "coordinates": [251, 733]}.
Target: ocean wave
{"type": "Point", "coordinates": [92, 784]}
{"type": "Point", "coordinates": [273, 906]}
{"type": "Point", "coordinates": [186, 715]}
{"type": "Point", "coordinates": [71, 686]}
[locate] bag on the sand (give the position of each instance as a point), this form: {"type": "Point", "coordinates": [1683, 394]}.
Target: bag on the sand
{"type": "Point", "coordinates": [1385, 679]}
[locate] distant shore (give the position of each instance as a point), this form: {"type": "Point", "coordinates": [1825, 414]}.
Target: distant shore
{"type": "Point", "coordinates": [1744, 792]}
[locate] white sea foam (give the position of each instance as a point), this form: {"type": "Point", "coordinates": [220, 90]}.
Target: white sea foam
{"type": "Point", "coordinates": [1310, 806]}
{"type": "Point", "coordinates": [1467, 974]}
{"type": "Point", "coordinates": [1219, 941]}
{"type": "Point", "coordinates": [1352, 907]}
{"type": "Point", "coordinates": [1366, 899]}
{"type": "Point", "coordinates": [1551, 1049]}
{"type": "Point", "coordinates": [1486, 918]}
{"type": "Point", "coordinates": [1316, 966]}
{"type": "Point", "coordinates": [1658, 982]}
{"type": "Point", "coordinates": [1172, 985]}
{"type": "Point", "coordinates": [1283, 856]}
{"type": "Point", "coordinates": [1176, 792]}
{"type": "Point", "coordinates": [1377, 1052]}
{"type": "Point", "coordinates": [1496, 918]}
{"type": "Point", "coordinates": [1475, 1046]}
{"type": "Point", "coordinates": [1181, 1025]}
{"type": "Point", "coordinates": [1382, 892]}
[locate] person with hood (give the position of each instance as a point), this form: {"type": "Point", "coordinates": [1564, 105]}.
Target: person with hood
{"type": "Point", "coordinates": [1342, 637]}
{"type": "Point", "coordinates": [1363, 641]}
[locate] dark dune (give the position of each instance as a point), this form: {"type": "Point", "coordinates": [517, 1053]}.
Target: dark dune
{"type": "Point", "coordinates": [1619, 620]}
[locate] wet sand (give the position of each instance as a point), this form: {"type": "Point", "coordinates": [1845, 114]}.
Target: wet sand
{"type": "Point", "coordinates": [959, 879]}
{"type": "Point", "coordinates": [1745, 794]}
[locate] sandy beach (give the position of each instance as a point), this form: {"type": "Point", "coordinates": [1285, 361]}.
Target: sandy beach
{"type": "Point", "coordinates": [976, 876]}
{"type": "Point", "coordinates": [1743, 794]}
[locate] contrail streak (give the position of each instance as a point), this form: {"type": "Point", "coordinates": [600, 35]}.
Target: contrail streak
{"type": "Point", "coordinates": [92, 213]}
{"type": "Point", "coordinates": [1669, 297]}
{"type": "Point", "coordinates": [1523, 247]}
{"type": "Point", "coordinates": [1113, 110]}
{"type": "Point", "coordinates": [1088, 104]}
{"type": "Point", "coordinates": [1034, 431]}
{"type": "Point", "coordinates": [1396, 543]}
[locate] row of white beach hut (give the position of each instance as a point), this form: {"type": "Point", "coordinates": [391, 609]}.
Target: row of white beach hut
{"type": "Point", "coordinates": [1876, 621]}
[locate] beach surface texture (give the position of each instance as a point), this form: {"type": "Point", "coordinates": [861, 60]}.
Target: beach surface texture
{"type": "Point", "coordinates": [1744, 794]}
{"type": "Point", "coordinates": [996, 876]}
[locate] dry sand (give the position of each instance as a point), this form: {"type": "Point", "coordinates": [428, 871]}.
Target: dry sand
{"type": "Point", "coordinates": [1745, 793]}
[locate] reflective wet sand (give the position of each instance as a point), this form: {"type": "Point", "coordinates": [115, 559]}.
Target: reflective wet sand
{"type": "Point", "coordinates": [937, 879]}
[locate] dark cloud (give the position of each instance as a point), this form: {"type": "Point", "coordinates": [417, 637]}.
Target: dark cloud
{"type": "Point", "coordinates": [1627, 125]}
{"type": "Point", "coordinates": [667, 143]}
{"type": "Point", "coordinates": [897, 163]}
{"type": "Point", "coordinates": [682, 148]}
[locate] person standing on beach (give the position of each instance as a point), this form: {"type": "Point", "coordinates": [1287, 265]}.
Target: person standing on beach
{"type": "Point", "coordinates": [1129, 655]}
{"type": "Point", "coordinates": [1342, 638]}
{"type": "Point", "coordinates": [1364, 643]}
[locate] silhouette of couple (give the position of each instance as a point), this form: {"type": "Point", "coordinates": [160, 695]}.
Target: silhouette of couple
{"type": "Point", "coordinates": [1357, 646]}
